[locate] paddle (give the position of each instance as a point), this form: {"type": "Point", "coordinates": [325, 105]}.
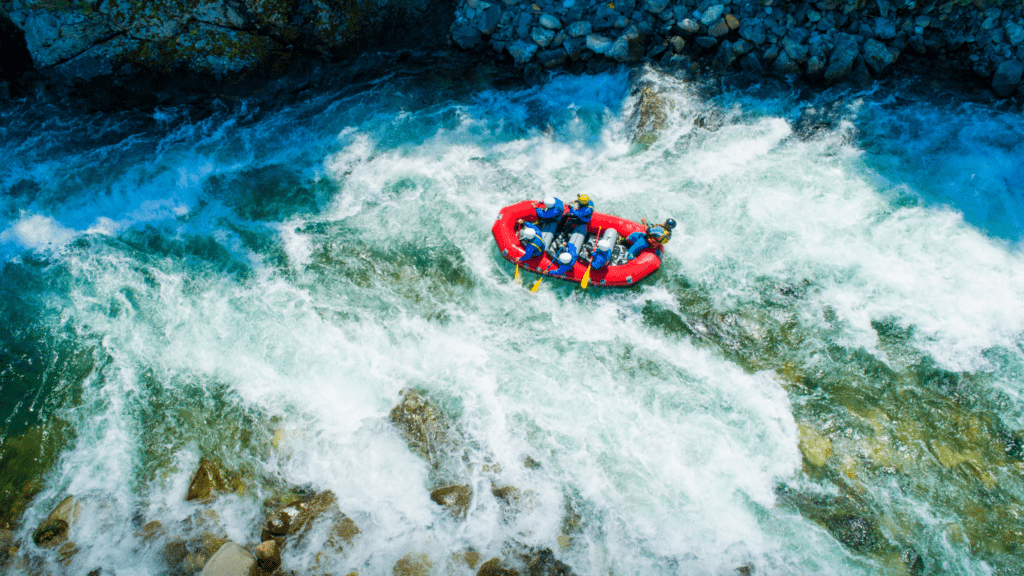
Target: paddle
{"type": "Point", "coordinates": [586, 275]}
{"type": "Point", "coordinates": [552, 265]}
{"type": "Point", "coordinates": [516, 277]}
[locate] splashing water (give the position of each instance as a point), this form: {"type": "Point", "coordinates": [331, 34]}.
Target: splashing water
{"type": "Point", "coordinates": [825, 376]}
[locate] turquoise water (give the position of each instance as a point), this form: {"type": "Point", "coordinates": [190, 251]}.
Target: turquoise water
{"type": "Point", "coordinates": [824, 378]}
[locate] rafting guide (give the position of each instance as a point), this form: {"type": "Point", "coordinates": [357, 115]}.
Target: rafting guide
{"type": "Point", "coordinates": [578, 244]}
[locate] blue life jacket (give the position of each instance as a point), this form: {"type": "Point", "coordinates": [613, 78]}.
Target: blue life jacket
{"type": "Point", "coordinates": [564, 268]}
{"type": "Point", "coordinates": [534, 247]}
{"type": "Point", "coordinates": [583, 213]}
{"type": "Point", "coordinates": [640, 241]}
{"type": "Point", "coordinates": [545, 213]}
{"type": "Point", "coordinates": [600, 258]}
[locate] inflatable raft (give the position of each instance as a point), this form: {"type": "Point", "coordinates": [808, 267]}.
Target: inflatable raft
{"type": "Point", "coordinates": [620, 271]}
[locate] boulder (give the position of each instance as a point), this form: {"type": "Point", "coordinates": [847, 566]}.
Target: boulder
{"type": "Point", "coordinates": [230, 560]}
{"type": "Point", "coordinates": [488, 20]}
{"type": "Point", "coordinates": [630, 46]}
{"type": "Point", "coordinates": [413, 565]}
{"type": "Point", "coordinates": [544, 563]}
{"type": "Point", "coordinates": [550, 22]}
{"type": "Point", "coordinates": [657, 6]}
{"type": "Point", "coordinates": [712, 14]}
{"type": "Point", "coordinates": [422, 424]}
{"type": "Point", "coordinates": [578, 29]}
{"type": "Point", "coordinates": [268, 556]}
{"type": "Point", "coordinates": [542, 36]}
{"type": "Point", "coordinates": [785, 65]}
{"type": "Point", "coordinates": [295, 517]}
{"type": "Point", "coordinates": [724, 57]}
{"type": "Point", "coordinates": [466, 36]}
{"type": "Point", "coordinates": [50, 533]}
{"type": "Point", "coordinates": [885, 29]}
{"type": "Point", "coordinates": [677, 44]}
{"type": "Point", "coordinates": [706, 42]}
{"type": "Point", "coordinates": [207, 480]}
{"type": "Point", "coordinates": [752, 30]}
{"type": "Point", "coordinates": [427, 444]}
{"type": "Point", "coordinates": [796, 51]}
{"type": "Point", "coordinates": [494, 567]}
{"type": "Point", "coordinates": [550, 59]}
{"type": "Point", "coordinates": [455, 498]}
{"type": "Point", "coordinates": [598, 44]}
{"type": "Point", "coordinates": [815, 66]}
{"type": "Point", "coordinates": [574, 47]}
{"type": "Point", "coordinates": [689, 26]}
{"type": "Point", "coordinates": [604, 18]}
{"type": "Point", "coordinates": [842, 58]}
{"type": "Point", "coordinates": [816, 448]}
{"type": "Point", "coordinates": [1007, 78]}
{"type": "Point", "coordinates": [718, 29]}
{"type": "Point", "coordinates": [732, 21]}
{"type": "Point", "coordinates": [877, 55]}
{"type": "Point", "coordinates": [1014, 33]}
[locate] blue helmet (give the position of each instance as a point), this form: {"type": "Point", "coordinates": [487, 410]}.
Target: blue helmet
{"type": "Point", "coordinates": [670, 223]}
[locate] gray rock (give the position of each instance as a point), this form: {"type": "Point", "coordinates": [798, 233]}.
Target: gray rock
{"type": "Point", "coordinates": [466, 36]}
{"type": "Point", "coordinates": [785, 65]}
{"type": "Point", "coordinates": [752, 30]}
{"type": "Point", "coordinates": [712, 13]}
{"type": "Point", "coordinates": [577, 29]}
{"type": "Point", "coordinates": [598, 44]}
{"type": "Point", "coordinates": [1007, 78]}
{"type": "Point", "coordinates": [796, 51]}
{"type": "Point", "coordinates": [813, 16]}
{"type": "Point", "coordinates": [843, 56]}
{"type": "Point", "coordinates": [1014, 33]}
{"type": "Point", "coordinates": [558, 40]}
{"type": "Point", "coordinates": [718, 29]}
{"type": "Point", "coordinates": [877, 55]}
{"type": "Point", "coordinates": [922, 21]}
{"type": "Point", "coordinates": [523, 25]}
{"type": "Point", "coordinates": [885, 29]}
{"type": "Point", "coordinates": [550, 22]}
{"type": "Point", "coordinates": [724, 57]}
{"type": "Point", "coordinates": [574, 47]}
{"type": "Point", "coordinates": [522, 51]}
{"type": "Point", "coordinates": [552, 58]}
{"type": "Point", "coordinates": [771, 53]}
{"type": "Point", "coordinates": [815, 66]}
{"type": "Point", "coordinates": [604, 18]}
{"type": "Point", "coordinates": [740, 47]}
{"type": "Point", "coordinates": [706, 42]}
{"type": "Point", "coordinates": [989, 23]}
{"type": "Point", "coordinates": [489, 19]}
{"type": "Point", "coordinates": [883, 7]}
{"type": "Point", "coordinates": [630, 46]}
{"type": "Point", "coordinates": [54, 36]}
{"type": "Point", "coordinates": [542, 36]}
{"type": "Point", "coordinates": [657, 6]}
{"type": "Point", "coordinates": [689, 26]}
{"type": "Point", "coordinates": [626, 6]}
{"type": "Point", "coordinates": [230, 560]}
{"type": "Point", "coordinates": [751, 63]}
{"type": "Point", "coordinates": [677, 44]}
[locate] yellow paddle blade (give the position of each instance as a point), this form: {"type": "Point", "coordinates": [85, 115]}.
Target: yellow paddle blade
{"type": "Point", "coordinates": [537, 285]}
{"type": "Point", "coordinates": [516, 278]}
{"type": "Point", "coordinates": [586, 279]}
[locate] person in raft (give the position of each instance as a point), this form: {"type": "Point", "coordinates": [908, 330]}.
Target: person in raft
{"type": "Point", "coordinates": [531, 240]}
{"type": "Point", "coordinates": [580, 213]}
{"type": "Point", "coordinates": [602, 254]}
{"type": "Point", "coordinates": [656, 236]}
{"type": "Point", "coordinates": [567, 259]}
{"type": "Point", "coordinates": [550, 210]}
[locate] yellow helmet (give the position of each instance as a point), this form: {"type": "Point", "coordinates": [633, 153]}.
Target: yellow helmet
{"type": "Point", "coordinates": [583, 199]}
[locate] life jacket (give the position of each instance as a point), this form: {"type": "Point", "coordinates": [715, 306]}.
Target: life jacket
{"type": "Point", "coordinates": [545, 213]}
{"type": "Point", "coordinates": [658, 235]}
{"type": "Point", "coordinates": [538, 238]}
{"type": "Point", "coordinates": [582, 214]}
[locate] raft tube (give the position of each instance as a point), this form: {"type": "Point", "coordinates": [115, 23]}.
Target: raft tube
{"type": "Point", "coordinates": [506, 235]}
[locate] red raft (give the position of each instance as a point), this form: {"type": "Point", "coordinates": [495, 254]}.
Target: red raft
{"type": "Point", "coordinates": [626, 274]}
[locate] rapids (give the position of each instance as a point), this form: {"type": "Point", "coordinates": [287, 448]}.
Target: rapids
{"type": "Point", "coordinates": [825, 376]}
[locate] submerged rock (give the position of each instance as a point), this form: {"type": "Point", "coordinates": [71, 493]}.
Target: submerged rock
{"type": "Point", "coordinates": [297, 516]}
{"type": "Point", "coordinates": [50, 533]}
{"type": "Point", "coordinates": [413, 565]}
{"type": "Point", "coordinates": [207, 480]}
{"type": "Point", "coordinates": [1007, 78]}
{"type": "Point", "coordinates": [455, 498]}
{"type": "Point", "coordinates": [816, 448]}
{"type": "Point", "coordinates": [544, 563]}
{"type": "Point", "coordinates": [422, 424]}
{"type": "Point", "coordinates": [494, 567]}
{"type": "Point", "coordinates": [268, 556]}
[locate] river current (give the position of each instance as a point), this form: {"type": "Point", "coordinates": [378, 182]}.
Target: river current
{"type": "Point", "coordinates": [825, 376]}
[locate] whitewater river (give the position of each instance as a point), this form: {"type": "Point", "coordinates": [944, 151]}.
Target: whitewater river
{"type": "Point", "coordinates": [825, 376]}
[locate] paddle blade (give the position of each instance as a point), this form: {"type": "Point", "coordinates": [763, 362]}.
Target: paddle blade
{"type": "Point", "coordinates": [516, 278]}
{"type": "Point", "coordinates": [586, 279]}
{"type": "Point", "coordinates": [536, 285]}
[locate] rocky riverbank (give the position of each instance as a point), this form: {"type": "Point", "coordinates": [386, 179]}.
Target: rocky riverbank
{"type": "Point", "coordinates": [824, 41]}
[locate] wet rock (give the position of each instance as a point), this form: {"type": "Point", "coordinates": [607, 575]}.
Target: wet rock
{"type": "Point", "coordinates": [230, 560]}
{"type": "Point", "coordinates": [50, 533]}
{"type": "Point", "coordinates": [783, 64]}
{"type": "Point", "coordinates": [712, 14]}
{"type": "Point", "coordinates": [1007, 78]}
{"type": "Point", "coordinates": [677, 44]}
{"type": "Point", "coordinates": [816, 448]}
{"type": "Point", "coordinates": [630, 46]}
{"type": "Point", "coordinates": [151, 531]}
{"type": "Point", "coordinates": [650, 115]}
{"type": "Point", "coordinates": [732, 22]}
{"type": "Point", "coordinates": [455, 499]}
{"type": "Point", "coordinates": [413, 565]}
{"type": "Point", "coordinates": [578, 29]}
{"type": "Point", "coordinates": [858, 533]}
{"type": "Point", "coordinates": [494, 567]}
{"type": "Point", "coordinates": [574, 47]}
{"type": "Point", "coordinates": [724, 57]}
{"type": "Point", "coordinates": [207, 480]}
{"type": "Point", "coordinates": [604, 18]}
{"type": "Point", "coordinates": [421, 423]}
{"type": "Point", "coordinates": [706, 42]}
{"type": "Point", "coordinates": [295, 517]}
{"type": "Point", "coordinates": [657, 6]}
{"type": "Point", "coordinates": [794, 48]}
{"type": "Point", "coordinates": [877, 55]}
{"type": "Point", "coordinates": [268, 556]}
{"type": "Point", "coordinates": [544, 563]}
{"type": "Point", "coordinates": [550, 59]}
{"type": "Point", "coordinates": [488, 21]}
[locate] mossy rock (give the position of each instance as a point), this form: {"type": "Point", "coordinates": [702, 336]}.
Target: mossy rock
{"type": "Point", "coordinates": [295, 517]}
{"type": "Point", "coordinates": [50, 533]}
{"type": "Point", "coordinates": [494, 567]}
{"type": "Point", "coordinates": [413, 565]}
{"type": "Point", "coordinates": [207, 480]}
{"type": "Point", "coordinates": [455, 498]}
{"type": "Point", "coordinates": [423, 425]}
